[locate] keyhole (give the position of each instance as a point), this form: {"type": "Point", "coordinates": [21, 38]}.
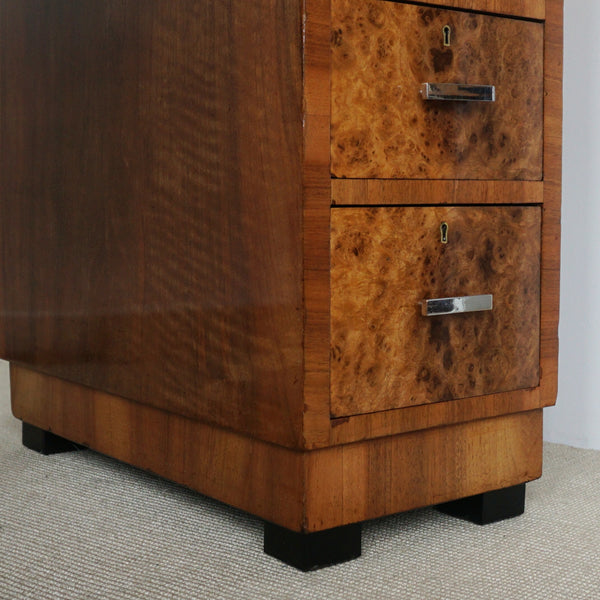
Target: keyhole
{"type": "Point", "coordinates": [444, 233]}
{"type": "Point", "coordinates": [447, 32]}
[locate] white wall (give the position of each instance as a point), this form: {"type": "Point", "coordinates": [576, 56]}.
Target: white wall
{"type": "Point", "coordinates": [576, 418]}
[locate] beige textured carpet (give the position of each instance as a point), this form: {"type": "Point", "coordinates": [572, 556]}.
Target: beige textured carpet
{"type": "Point", "coordinates": [79, 525]}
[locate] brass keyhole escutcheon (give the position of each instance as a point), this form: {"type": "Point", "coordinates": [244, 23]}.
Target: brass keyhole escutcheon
{"type": "Point", "coordinates": [447, 32]}
{"type": "Point", "coordinates": [444, 233]}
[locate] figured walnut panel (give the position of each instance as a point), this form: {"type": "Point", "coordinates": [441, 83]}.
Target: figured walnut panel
{"type": "Point", "coordinates": [385, 261]}
{"type": "Point", "coordinates": [151, 203]}
{"type": "Point", "coordinates": [381, 127]}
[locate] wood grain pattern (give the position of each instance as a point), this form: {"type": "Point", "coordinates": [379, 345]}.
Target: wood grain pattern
{"type": "Point", "coordinates": [378, 192]}
{"type": "Point", "coordinates": [361, 481]}
{"type": "Point", "coordinates": [552, 200]}
{"type": "Point", "coordinates": [151, 201]}
{"type": "Point", "coordinates": [530, 9]}
{"type": "Point", "coordinates": [317, 195]}
{"type": "Point", "coordinates": [381, 128]}
{"type": "Point", "coordinates": [385, 261]}
{"type": "Point", "coordinates": [304, 491]}
{"type": "Point", "coordinates": [356, 428]}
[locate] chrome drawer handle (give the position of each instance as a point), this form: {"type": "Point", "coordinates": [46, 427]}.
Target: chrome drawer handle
{"type": "Point", "coordinates": [458, 91]}
{"type": "Point", "coordinates": [459, 304]}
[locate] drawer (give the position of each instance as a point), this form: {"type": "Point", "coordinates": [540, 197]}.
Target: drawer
{"type": "Point", "coordinates": [381, 125]}
{"type": "Point", "coordinates": [386, 261]}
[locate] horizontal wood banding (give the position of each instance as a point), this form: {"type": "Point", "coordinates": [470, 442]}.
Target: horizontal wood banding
{"type": "Point", "coordinates": [151, 199]}
{"type": "Point", "coordinates": [409, 192]}
{"type": "Point", "coordinates": [366, 480]}
{"type": "Point", "coordinates": [346, 430]}
{"type": "Point", "coordinates": [527, 9]}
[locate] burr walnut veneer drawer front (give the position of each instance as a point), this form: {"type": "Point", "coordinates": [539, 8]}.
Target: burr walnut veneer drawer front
{"type": "Point", "coordinates": [387, 261]}
{"type": "Point", "coordinates": [383, 127]}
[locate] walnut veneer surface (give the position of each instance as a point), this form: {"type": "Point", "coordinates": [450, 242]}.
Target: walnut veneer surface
{"type": "Point", "coordinates": [382, 128]}
{"type": "Point", "coordinates": [386, 261]}
{"type": "Point", "coordinates": [531, 9]}
{"type": "Point", "coordinates": [151, 203]}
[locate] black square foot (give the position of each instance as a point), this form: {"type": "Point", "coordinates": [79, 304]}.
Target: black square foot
{"type": "Point", "coordinates": [46, 442]}
{"type": "Point", "coordinates": [308, 551]}
{"type": "Point", "coordinates": [488, 507]}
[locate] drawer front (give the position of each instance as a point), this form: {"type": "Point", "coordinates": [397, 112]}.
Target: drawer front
{"type": "Point", "coordinates": [386, 261]}
{"type": "Point", "coordinates": [381, 125]}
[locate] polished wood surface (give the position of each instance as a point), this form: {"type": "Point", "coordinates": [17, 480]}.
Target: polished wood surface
{"type": "Point", "coordinates": [355, 482]}
{"type": "Point", "coordinates": [530, 9]}
{"type": "Point", "coordinates": [381, 127]}
{"type": "Point", "coordinates": [348, 429]}
{"type": "Point", "coordinates": [350, 192]}
{"type": "Point", "coordinates": [386, 261]}
{"type": "Point", "coordinates": [368, 426]}
{"type": "Point", "coordinates": [108, 246]}
{"type": "Point", "coordinates": [317, 200]}
{"type": "Point", "coordinates": [303, 491]}
{"type": "Point", "coordinates": [151, 201]}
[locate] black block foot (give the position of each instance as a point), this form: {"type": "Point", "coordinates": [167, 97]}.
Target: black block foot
{"type": "Point", "coordinates": [488, 507]}
{"type": "Point", "coordinates": [45, 442]}
{"type": "Point", "coordinates": [308, 551]}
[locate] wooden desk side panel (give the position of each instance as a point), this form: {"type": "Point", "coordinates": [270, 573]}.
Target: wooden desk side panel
{"type": "Point", "coordinates": [151, 203]}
